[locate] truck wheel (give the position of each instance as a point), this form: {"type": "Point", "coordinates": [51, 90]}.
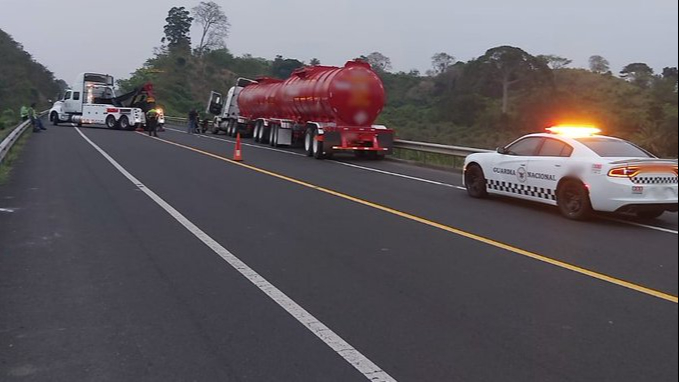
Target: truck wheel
{"type": "Point", "coordinates": [257, 133]}
{"type": "Point", "coordinates": [309, 142]}
{"type": "Point", "coordinates": [54, 117]}
{"type": "Point", "coordinates": [317, 147]}
{"type": "Point", "coordinates": [111, 122]}
{"type": "Point", "coordinates": [261, 134]}
{"type": "Point", "coordinates": [264, 135]}
{"type": "Point", "coordinates": [215, 128]}
{"type": "Point", "coordinates": [124, 123]}
{"type": "Point", "coordinates": [572, 198]}
{"type": "Point", "coordinates": [273, 136]}
{"type": "Point", "coordinates": [475, 182]}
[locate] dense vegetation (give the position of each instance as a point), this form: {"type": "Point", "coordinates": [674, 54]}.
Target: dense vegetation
{"type": "Point", "coordinates": [22, 81]}
{"type": "Point", "coordinates": [484, 102]}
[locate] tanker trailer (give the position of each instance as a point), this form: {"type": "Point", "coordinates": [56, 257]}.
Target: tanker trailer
{"type": "Point", "coordinates": [325, 109]}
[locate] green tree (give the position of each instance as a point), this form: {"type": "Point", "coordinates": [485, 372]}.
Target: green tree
{"type": "Point", "coordinates": [378, 61]}
{"type": "Point", "coordinates": [22, 79]}
{"type": "Point", "coordinates": [314, 62]}
{"type": "Point", "coordinates": [555, 62]}
{"type": "Point", "coordinates": [177, 30]}
{"type": "Point", "coordinates": [283, 67]}
{"type": "Point", "coordinates": [440, 62]}
{"type": "Point", "coordinates": [508, 66]}
{"type": "Point", "coordinates": [638, 73]}
{"type": "Point", "coordinates": [214, 26]}
{"type": "Point", "coordinates": [598, 64]}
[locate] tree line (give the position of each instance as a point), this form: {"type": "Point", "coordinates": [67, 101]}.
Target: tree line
{"type": "Point", "coordinates": [483, 102]}
{"type": "Point", "coordinates": [22, 81]}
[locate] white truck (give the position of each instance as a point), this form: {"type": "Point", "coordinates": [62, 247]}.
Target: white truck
{"type": "Point", "coordinates": [92, 100]}
{"type": "Point", "coordinates": [225, 110]}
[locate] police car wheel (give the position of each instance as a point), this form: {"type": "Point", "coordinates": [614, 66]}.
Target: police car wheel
{"type": "Point", "coordinates": [573, 200]}
{"type": "Point", "coordinates": [650, 214]}
{"type": "Point", "coordinates": [475, 182]}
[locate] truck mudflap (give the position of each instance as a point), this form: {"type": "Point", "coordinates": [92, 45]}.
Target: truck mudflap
{"type": "Point", "coordinates": [348, 139]}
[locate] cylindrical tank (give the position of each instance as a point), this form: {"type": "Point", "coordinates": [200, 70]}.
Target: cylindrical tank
{"type": "Point", "coordinates": [352, 96]}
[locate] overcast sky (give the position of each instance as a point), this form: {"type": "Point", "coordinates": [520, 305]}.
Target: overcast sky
{"type": "Point", "coordinates": [72, 36]}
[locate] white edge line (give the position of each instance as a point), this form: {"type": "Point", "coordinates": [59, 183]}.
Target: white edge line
{"type": "Point", "coordinates": [666, 230]}
{"type": "Point", "coordinates": [656, 228]}
{"type": "Point", "coordinates": [360, 362]}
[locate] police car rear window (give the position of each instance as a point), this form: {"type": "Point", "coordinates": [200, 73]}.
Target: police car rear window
{"type": "Point", "coordinates": [614, 148]}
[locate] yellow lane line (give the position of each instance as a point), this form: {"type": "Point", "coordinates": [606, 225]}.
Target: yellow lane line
{"type": "Point", "coordinates": [456, 231]}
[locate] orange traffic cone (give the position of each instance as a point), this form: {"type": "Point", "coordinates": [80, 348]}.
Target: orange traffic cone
{"type": "Point", "coordinates": [237, 153]}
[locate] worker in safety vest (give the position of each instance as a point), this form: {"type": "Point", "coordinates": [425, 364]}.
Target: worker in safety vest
{"type": "Point", "coordinates": [152, 122]}
{"type": "Point", "coordinates": [35, 119]}
{"type": "Point", "coordinates": [24, 113]}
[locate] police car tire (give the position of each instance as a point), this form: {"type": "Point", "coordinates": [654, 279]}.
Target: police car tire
{"type": "Point", "coordinates": [573, 201]}
{"type": "Point", "coordinates": [650, 214]}
{"type": "Point", "coordinates": [475, 182]}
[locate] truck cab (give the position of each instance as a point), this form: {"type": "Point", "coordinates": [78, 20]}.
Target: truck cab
{"type": "Point", "coordinates": [225, 109]}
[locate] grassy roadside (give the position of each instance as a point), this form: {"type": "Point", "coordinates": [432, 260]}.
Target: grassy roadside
{"type": "Point", "coordinates": [12, 155]}
{"type": "Point", "coordinates": [5, 132]}
{"type": "Point", "coordinates": [429, 159]}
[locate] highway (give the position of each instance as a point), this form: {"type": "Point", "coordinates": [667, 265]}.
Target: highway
{"type": "Point", "coordinates": [129, 258]}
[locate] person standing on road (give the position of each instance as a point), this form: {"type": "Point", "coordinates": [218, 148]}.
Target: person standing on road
{"type": "Point", "coordinates": [35, 120]}
{"type": "Point", "coordinates": [152, 122]}
{"type": "Point", "coordinates": [193, 121]}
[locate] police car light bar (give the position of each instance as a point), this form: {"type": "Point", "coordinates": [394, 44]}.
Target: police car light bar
{"type": "Point", "coordinates": [574, 131]}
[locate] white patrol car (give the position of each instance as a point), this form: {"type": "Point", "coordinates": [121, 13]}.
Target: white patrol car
{"type": "Point", "coordinates": [577, 170]}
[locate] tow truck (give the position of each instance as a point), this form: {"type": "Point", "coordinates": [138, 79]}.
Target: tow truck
{"type": "Point", "coordinates": [92, 100]}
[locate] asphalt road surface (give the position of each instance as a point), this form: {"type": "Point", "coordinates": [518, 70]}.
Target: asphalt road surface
{"type": "Point", "coordinates": [127, 258]}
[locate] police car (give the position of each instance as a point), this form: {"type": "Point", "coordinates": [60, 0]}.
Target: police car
{"type": "Point", "coordinates": [578, 170]}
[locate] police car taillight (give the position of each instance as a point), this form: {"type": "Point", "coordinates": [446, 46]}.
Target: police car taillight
{"type": "Point", "coordinates": [623, 172]}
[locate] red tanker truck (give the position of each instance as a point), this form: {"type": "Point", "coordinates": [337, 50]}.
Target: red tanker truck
{"type": "Point", "coordinates": [325, 109]}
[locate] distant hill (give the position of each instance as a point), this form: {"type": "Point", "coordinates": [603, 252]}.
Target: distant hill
{"type": "Point", "coordinates": [22, 80]}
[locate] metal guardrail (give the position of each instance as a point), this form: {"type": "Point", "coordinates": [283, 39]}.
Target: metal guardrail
{"type": "Point", "coordinates": [435, 148]}
{"type": "Point", "coordinates": [425, 147]}
{"type": "Point", "coordinates": [14, 136]}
